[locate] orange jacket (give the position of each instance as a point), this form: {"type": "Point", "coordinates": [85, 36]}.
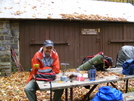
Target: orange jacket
{"type": "Point", "coordinates": [39, 56]}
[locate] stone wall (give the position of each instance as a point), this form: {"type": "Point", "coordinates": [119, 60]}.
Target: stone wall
{"type": "Point", "coordinates": [9, 35]}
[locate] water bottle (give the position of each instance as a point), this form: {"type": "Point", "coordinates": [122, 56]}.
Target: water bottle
{"type": "Point", "coordinates": [92, 73]}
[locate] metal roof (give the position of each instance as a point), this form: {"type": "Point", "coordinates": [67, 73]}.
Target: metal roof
{"type": "Point", "coordinates": [66, 9]}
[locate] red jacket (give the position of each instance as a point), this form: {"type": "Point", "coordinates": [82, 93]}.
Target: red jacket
{"type": "Point", "coordinates": [39, 56]}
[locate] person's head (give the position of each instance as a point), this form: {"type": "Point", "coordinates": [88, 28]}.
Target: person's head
{"type": "Point", "coordinates": [48, 47]}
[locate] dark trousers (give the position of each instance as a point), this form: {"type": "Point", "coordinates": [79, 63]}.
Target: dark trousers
{"type": "Point", "coordinates": [31, 88]}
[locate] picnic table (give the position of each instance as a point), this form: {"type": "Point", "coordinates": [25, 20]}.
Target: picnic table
{"type": "Point", "coordinates": [126, 77]}
{"type": "Point", "coordinates": [65, 85]}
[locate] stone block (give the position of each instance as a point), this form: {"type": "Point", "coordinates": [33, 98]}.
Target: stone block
{"type": "Point", "coordinates": [16, 40]}
{"type": "Point", "coordinates": [14, 25]}
{"type": "Point", "coordinates": [1, 24]}
{"type": "Point", "coordinates": [2, 48]}
{"type": "Point", "coordinates": [5, 72]}
{"type": "Point", "coordinates": [1, 31]}
{"type": "Point", "coordinates": [8, 26]}
{"type": "Point", "coordinates": [14, 32]}
{"type": "Point", "coordinates": [6, 42]}
{"type": "Point", "coordinates": [8, 47]}
{"type": "Point", "coordinates": [5, 68]}
{"type": "Point", "coordinates": [7, 37]}
{"type": "Point", "coordinates": [15, 46]}
{"type": "Point", "coordinates": [1, 53]}
{"type": "Point", "coordinates": [8, 53]}
{"type": "Point", "coordinates": [5, 63]}
{"type": "Point", "coordinates": [5, 31]}
{"type": "Point", "coordinates": [5, 59]}
{"type": "Point", "coordinates": [1, 37]}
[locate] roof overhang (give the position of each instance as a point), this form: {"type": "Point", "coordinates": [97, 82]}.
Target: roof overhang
{"type": "Point", "coordinates": [67, 9]}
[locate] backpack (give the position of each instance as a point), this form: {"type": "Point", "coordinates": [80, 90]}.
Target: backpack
{"type": "Point", "coordinates": [107, 93]}
{"type": "Point", "coordinates": [45, 75]}
{"type": "Point", "coordinates": [128, 67]}
{"type": "Point", "coordinates": [107, 60]}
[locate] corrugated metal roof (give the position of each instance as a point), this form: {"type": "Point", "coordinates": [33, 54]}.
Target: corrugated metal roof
{"type": "Point", "coordinates": [66, 9]}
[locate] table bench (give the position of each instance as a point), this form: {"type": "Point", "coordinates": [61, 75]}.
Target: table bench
{"type": "Point", "coordinates": [128, 96]}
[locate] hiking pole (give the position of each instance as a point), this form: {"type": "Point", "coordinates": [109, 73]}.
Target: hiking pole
{"type": "Point", "coordinates": [17, 63]}
{"type": "Point", "coordinates": [50, 91]}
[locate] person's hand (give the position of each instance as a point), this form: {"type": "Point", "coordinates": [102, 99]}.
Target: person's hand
{"type": "Point", "coordinates": [34, 78]}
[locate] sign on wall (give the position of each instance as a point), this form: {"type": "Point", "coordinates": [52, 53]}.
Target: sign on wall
{"type": "Point", "coordinates": [89, 31]}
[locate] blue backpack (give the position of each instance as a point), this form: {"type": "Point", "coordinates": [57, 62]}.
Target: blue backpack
{"type": "Point", "coordinates": [128, 67]}
{"type": "Point", "coordinates": [107, 93]}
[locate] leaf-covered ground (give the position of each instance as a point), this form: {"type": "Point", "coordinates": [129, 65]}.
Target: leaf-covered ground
{"type": "Point", "coordinates": [12, 88]}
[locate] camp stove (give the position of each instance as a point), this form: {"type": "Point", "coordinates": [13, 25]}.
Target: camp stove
{"type": "Point", "coordinates": [64, 68]}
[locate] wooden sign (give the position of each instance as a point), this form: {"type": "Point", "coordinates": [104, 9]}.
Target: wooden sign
{"type": "Point", "coordinates": [89, 31]}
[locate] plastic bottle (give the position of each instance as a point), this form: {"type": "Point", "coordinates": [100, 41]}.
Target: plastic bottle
{"type": "Point", "coordinates": [92, 73]}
